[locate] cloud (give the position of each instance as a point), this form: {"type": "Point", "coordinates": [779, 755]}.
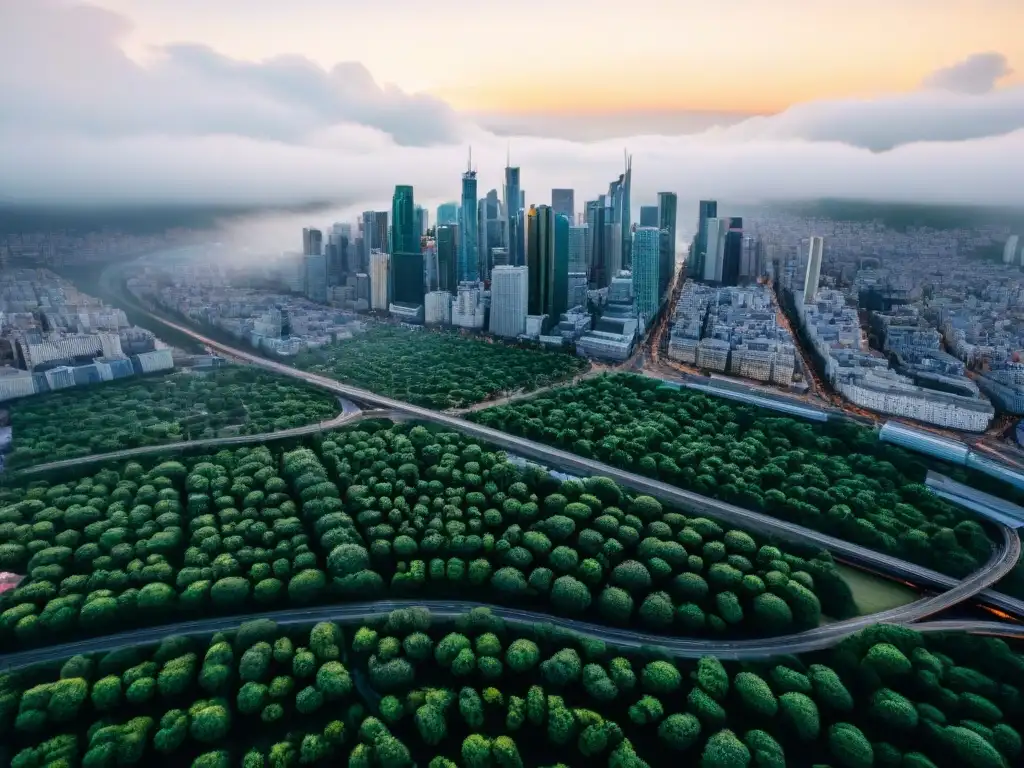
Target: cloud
{"type": "Point", "coordinates": [82, 122]}
{"type": "Point", "coordinates": [976, 74]}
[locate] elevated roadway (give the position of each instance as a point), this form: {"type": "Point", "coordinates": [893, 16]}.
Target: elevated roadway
{"type": "Point", "coordinates": [678, 497]}
{"type": "Point", "coordinates": [811, 640]}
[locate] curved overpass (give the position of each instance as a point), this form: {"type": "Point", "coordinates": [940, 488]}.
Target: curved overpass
{"type": "Point", "coordinates": [342, 419]}
{"type": "Point", "coordinates": [762, 648]}
{"type": "Point", "coordinates": [692, 502]}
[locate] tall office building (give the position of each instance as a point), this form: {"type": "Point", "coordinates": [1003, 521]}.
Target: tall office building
{"type": "Point", "coordinates": [513, 228]}
{"type": "Point", "coordinates": [312, 241]}
{"type": "Point", "coordinates": [617, 217]}
{"type": "Point", "coordinates": [447, 236]}
{"type": "Point", "coordinates": [668, 208]}
{"type": "Point", "coordinates": [648, 216]}
{"type": "Point", "coordinates": [380, 280]}
{"type": "Point", "coordinates": [646, 266]}
{"type": "Point", "coordinates": [336, 254]}
{"type": "Point", "coordinates": [708, 209]}
{"type": "Point", "coordinates": [405, 238]}
{"type": "Point", "coordinates": [422, 220]}
{"type": "Point", "coordinates": [492, 230]}
{"type": "Point", "coordinates": [469, 265]}
{"type": "Point", "coordinates": [447, 213]}
{"type": "Point", "coordinates": [316, 277]}
{"type": "Point", "coordinates": [578, 236]}
{"type": "Point", "coordinates": [547, 255]}
{"type": "Point", "coordinates": [563, 202]}
{"type": "Point", "coordinates": [375, 234]}
{"type": "Point", "coordinates": [814, 254]}
{"type": "Point", "coordinates": [733, 252]}
{"type": "Point", "coordinates": [597, 262]}
{"type": "Point", "coordinates": [1010, 249]}
{"type": "Point", "coordinates": [715, 230]}
{"type": "Point", "coordinates": [407, 278]}
{"type": "Point", "coordinates": [510, 288]}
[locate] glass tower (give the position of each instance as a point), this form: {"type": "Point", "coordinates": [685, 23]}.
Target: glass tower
{"type": "Point", "coordinates": [469, 265]}
{"type": "Point", "coordinates": [404, 236]}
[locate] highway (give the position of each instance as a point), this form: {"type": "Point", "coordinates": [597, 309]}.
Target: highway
{"type": "Point", "coordinates": [345, 418]}
{"type": "Point", "coordinates": [686, 500]}
{"type": "Point", "coordinates": [688, 648]}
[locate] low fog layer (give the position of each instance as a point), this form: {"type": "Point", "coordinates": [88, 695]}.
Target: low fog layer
{"type": "Point", "coordinates": [82, 122]}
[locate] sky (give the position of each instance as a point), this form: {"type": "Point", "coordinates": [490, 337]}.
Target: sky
{"type": "Point", "coordinates": [263, 101]}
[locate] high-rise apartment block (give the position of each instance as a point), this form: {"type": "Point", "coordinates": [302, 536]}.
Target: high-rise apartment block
{"type": "Point", "coordinates": [405, 237]}
{"type": "Point", "coordinates": [547, 256]}
{"type": "Point", "coordinates": [407, 271]}
{"type": "Point", "coordinates": [468, 259]}
{"type": "Point", "coordinates": [312, 241]}
{"type": "Point", "coordinates": [715, 231]}
{"type": "Point", "coordinates": [510, 287]}
{"type": "Point", "coordinates": [447, 213]}
{"type": "Point", "coordinates": [648, 215]}
{"type": "Point", "coordinates": [563, 202]}
{"type": "Point", "coordinates": [813, 277]}
{"type": "Point", "coordinates": [708, 209]}
{"type": "Point", "coordinates": [380, 280]}
{"type": "Point", "coordinates": [316, 277]}
{"type": "Point", "coordinates": [646, 264]}
{"type": "Point", "coordinates": [668, 207]}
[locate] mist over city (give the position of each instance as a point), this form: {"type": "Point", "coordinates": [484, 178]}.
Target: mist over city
{"type": "Point", "coordinates": [458, 385]}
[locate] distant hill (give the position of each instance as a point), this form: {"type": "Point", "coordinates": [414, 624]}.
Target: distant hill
{"type": "Point", "coordinates": [137, 220]}
{"type": "Point", "coordinates": [903, 215]}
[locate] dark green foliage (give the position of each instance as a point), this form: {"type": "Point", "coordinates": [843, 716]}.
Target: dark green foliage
{"type": "Point", "coordinates": [162, 409]}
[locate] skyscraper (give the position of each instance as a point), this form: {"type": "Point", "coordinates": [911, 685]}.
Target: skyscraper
{"type": "Point", "coordinates": [375, 234]}
{"type": "Point", "coordinates": [510, 287]}
{"type": "Point", "coordinates": [714, 238]}
{"type": "Point", "coordinates": [814, 255]}
{"type": "Point", "coordinates": [513, 230]}
{"type": "Point", "coordinates": [578, 236]}
{"type": "Point", "coordinates": [563, 202]}
{"type": "Point", "coordinates": [447, 213]}
{"type": "Point", "coordinates": [708, 209]}
{"type": "Point", "coordinates": [469, 265]}
{"type": "Point", "coordinates": [336, 254]}
{"type": "Point", "coordinates": [648, 216]}
{"type": "Point", "coordinates": [597, 264]}
{"type": "Point", "coordinates": [312, 241]}
{"type": "Point", "coordinates": [492, 231]}
{"type": "Point", "coordinates": [422, 220]}
{"type": "Point", "coordinates": [316, 277]}
{"type": "Point", "coordinates": [646, 265]}
{"type": "Point", "coordinates": [625, 211]}
{"type": "Point", "coordinates": [404, 236]}
{"type": "Point", "coordinates": [733, 252]}
{"type": "Point", "coordinates": [380, 280]}
{"type": "Point", "coordinates": [407, 278]}
{"type": "Point", "coordinates": [447, 236]}
{"type": "Point", "coordinates": [547, 255]}
{"type": "Point", "coordinates": [668, 206]}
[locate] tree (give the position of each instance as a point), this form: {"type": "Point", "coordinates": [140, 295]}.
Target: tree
{"type": "Point", "coordinates": [522, 655]}
{"type": "Point", "coordinates": [562, 668]}
{"type": "Point", "coordinates": [333, 680]}
{"type": "Point", "coordinates": [679, 731]}
{"type": "Point", "coordinates": [893, 709]}
{"type": "Point", "coordinates": [829, 689]}
{"type": "Point", "coordinates": [712, 677]}
{"type": "Point", "coordinates": [766, 751]}
{"type": "Point", "coordinates": [431, 724]}
{"type": "Point", "coordinates": [660, 677]}
{"type": "Point", "coordinates": [755, 694]}
{"type": "Point", "coordinates": [631, 576]}
{"type": "Point", "coordinates": [615, 605]}
{"type": "Point", "coordinates": [209, 723]}
{"type": "Point", "coordinates": [476, 751]}
{"type": "Point", "coordinates": [255, 662]}
{"type": "Point", "coordinates": [849, 747]}
{"type": "Point", "coordinates": [887, 660]}
{"type": "Point", "coordinates": [801, 714]}
{"type": "Point", "coordinates": [657, 610]}
{"type": "Point", "coordinates": [471, 707]}
{"type": "Point", "coordinates": [724, 750]}
{"type": "Point", "coordinates": [570, 595]}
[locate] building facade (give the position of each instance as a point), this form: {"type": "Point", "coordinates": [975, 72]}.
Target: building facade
{"type": "Point", "coordinates": [510, 287]}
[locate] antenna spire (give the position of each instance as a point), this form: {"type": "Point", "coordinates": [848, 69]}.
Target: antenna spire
{"type": "Point", "coordinates": [469, 163]}
{"type": "Point", "coordinates": [508, 155]}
